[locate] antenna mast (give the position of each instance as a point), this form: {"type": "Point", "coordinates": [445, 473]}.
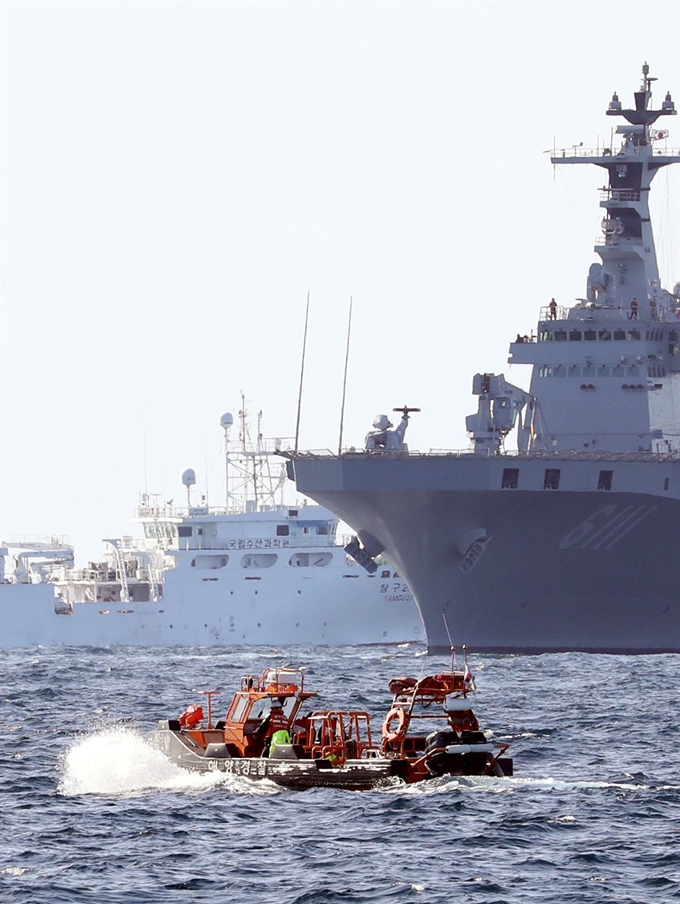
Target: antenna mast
{"type": "Point", "coordinates": [249, 451]}
{"type": "Point", "coordinates": [226, 422]}
{"type": "Point", "coordinates": [302, 372]}
{"type": "Point", "coordinates": [344, 380]}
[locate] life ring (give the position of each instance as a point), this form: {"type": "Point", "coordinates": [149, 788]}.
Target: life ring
{"type": "Point", "coordinates": [389, 734]}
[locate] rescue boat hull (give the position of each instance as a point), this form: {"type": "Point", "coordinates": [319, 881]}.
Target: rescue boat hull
{"type": "Point", "coordinates": [288, 768]}
{"type": "Point", "coordinates": [284, 767]}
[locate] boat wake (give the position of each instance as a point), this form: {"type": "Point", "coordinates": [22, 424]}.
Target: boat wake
{"type": "Point", "coordinates": [508, 785]}
{"type": "Point", "coordinates": [121, 761]}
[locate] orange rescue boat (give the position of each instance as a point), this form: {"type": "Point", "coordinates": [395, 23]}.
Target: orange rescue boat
{"type": "Point", "coordinates": [429, 731]}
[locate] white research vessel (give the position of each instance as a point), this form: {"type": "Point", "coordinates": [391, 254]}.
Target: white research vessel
{"type": "Point", "coordinates": [571, 543]}
{"type": "Point", "coordinates": [253, 571]}
{"type": "Point", "coordinates": [28, 568]}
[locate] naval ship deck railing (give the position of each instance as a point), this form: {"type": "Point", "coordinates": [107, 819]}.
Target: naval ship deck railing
{"type": "Point", "coordinates": [545, 313]}
{"type": "Point", "coordinates": [565, 455]}
{"type": "Point", "coordinates": [616, 240]}
{"type": "Point", "coordinates": [563, 153]}
{"type": "Point", "coordinates": [619, 194]}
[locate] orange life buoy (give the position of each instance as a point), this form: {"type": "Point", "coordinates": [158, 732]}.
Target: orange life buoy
{"type": "Point", "coordinates": [394, 734]}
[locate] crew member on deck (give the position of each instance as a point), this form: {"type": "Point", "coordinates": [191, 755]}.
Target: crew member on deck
{"type": "Point", "coordinates": [633, 310]}
{"type": "Point", "coordinates": [553, 309]}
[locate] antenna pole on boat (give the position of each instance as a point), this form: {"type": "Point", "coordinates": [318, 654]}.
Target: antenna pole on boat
{"type": "Point", "coordinates": [302, 373]}
{"type": "Point", "coordinates": [453, 649]}
{"type": "Point", "coordinates": [344, 379]}
{"type": "Point", "coordinates": [210, 695]}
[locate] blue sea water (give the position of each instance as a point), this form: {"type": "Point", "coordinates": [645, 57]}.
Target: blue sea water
{"type": "Point", "coordinates": [91, 813]}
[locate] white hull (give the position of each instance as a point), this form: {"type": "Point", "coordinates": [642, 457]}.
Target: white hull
{"type": "Point", "coordinates": [335, 607]}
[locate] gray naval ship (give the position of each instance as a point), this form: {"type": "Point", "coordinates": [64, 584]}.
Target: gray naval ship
{"type": "Point", "coordinates": [573, 541]}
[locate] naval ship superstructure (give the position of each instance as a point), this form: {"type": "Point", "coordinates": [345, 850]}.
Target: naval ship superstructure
{"type": "Point", "coordinates": [572, 542]}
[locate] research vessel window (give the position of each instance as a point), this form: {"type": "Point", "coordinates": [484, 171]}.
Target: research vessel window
{"type": "Point", "coordinates": [282, 530]}
{"type": "Point", "coordinates": [313, 559]}
{"type": "Point", "coordinates": [551, 481]}
{"type": "Point", "coordinates": [183, 531]}
{"type": "Point", "coordinates": [261, 560]}
{"type": "Point", "coordinates": [575, 335]}
{"type": "Point", "coordinates": [560, 335]}
{"type": "Point", "coordinates": [634, 335]}
{"type": "Point", "coordinates": [605, 335]}
{"type": "Point", "coordinates": [605, 480]}
{"type": "Point", "coordinates": [619, 335]}
{"type": "Point", "coordinates": [211, 562]}
{"type": "Point", "coordinates": [510, 479]}
{"type": "Point", "coordinates": [590, 335]}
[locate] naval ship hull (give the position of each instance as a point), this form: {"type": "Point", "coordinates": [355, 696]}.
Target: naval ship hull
{"type": "Point", "coordinates": [572, 544]}
{"type": "Point", "coordinates": [566, 569]}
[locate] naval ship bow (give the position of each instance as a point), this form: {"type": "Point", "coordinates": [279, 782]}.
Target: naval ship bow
{"type": "Point", "coordinates": [570, 542]}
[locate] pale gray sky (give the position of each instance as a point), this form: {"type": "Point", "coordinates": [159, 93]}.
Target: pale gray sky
{"type": "Point", "coordinates": [177, 176]}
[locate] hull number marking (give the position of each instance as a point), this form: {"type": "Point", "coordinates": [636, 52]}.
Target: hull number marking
{"type": "Point", "coordinates": [604, 528]}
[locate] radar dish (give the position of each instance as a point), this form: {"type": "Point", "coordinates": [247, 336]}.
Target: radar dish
{"type": "Point", "coordinates": [226, 420]}
{"type": "Point", "coordinates": [189, 477]}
